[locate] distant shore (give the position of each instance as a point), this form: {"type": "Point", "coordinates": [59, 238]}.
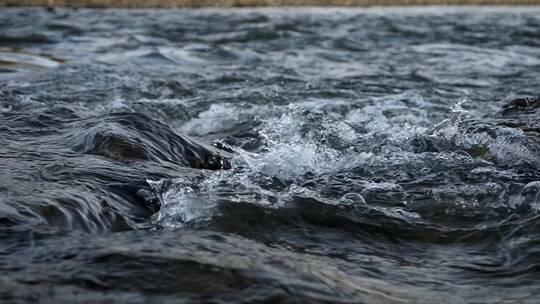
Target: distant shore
{"type": "Point", "coordinates": [252, 3]}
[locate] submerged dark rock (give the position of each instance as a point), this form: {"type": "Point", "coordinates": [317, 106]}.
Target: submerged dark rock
{"type": "Point", "coordinates": [129, 137]}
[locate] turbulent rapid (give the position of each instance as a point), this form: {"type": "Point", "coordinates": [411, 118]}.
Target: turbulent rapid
{"type": "Point", "coordinates": [270, 155]}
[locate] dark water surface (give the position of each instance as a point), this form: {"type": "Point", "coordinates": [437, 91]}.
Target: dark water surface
{"type": "Point", "coordinates": [273, 155]}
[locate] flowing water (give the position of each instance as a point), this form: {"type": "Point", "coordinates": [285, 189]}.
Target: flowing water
{"type": "Point", "coordinates": [270, 155]}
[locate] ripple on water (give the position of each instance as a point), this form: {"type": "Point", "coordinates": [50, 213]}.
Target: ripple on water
{"type": "Point", "coordinates": [378, 155]}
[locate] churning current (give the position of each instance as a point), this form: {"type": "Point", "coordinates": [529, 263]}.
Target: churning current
{"type": "Point", "coordinates": [383, 155]}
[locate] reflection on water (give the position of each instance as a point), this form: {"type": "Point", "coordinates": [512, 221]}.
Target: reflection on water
{"type": "Point", "coordinates": [270, 155]}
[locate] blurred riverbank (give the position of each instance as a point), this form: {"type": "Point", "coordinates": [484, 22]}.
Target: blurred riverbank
{"type": "Point", "coordinates": [238, 3]}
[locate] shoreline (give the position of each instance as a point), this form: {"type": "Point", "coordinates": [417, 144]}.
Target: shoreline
{"type": "Point", "coordinates": [251, 3]}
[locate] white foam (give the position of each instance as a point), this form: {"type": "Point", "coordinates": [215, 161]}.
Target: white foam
{"type": "Point", "coordinates": [321, 139]}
